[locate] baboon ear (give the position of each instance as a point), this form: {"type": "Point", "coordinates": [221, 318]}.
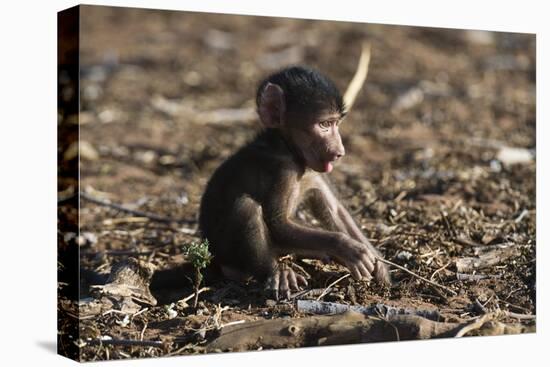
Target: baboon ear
{"type": "Point", "coordinates": [272, 106]}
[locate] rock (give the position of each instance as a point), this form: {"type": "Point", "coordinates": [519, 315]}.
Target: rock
{"type": "Point", "coordinates": [183, 198]}
{"type": "Point", "coordinates": [92, 92]}
{"type": "Point", "coordinates": [483, 38]}
{"type": "Point", "coordinates": [86, 118]}
{"type": "Point", "coordinates": [384, 229]}
{"type": "Point", "coordinates": [108, 116]}
{"type": "Point", "coordinates": [495, 166]}
{"type": "Point", "coordinates": [438, 89]}
{"type": "Point", "coordinates": [167, 159]}
{"type": "Point", "coordinates": [86, 150]}
{"type": "Point", "coordinates": [86, 239]}
{"type": "Point", "coordinates": [192, 78]}
{"type": "Point", "coordinates": [169, 107]}
{"type": "Point", "coordinates": [509, 155]}
{"type": "Point", "coordinates": [409, 99]}
{"type": "Point", "coordinates": [404, 256]}
{"type": "Point", "coordinates": [124, 322]}
{"type": "Point", "coordinates": [147, 157]}
{"type": "Point", "coordinates": [219, 40]}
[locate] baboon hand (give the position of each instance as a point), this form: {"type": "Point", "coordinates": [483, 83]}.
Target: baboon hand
{"type": "Point", "coordinates": [362, 262]}
{"type": "Point", "coordinates": [282, 280]}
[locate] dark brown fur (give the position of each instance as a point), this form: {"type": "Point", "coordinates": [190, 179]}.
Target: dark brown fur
{"type": "Point", "coordinates": [248, 209]}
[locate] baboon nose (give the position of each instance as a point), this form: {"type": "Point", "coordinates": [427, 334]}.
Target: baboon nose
{"type": "Point", "coordinates": [338, 155]}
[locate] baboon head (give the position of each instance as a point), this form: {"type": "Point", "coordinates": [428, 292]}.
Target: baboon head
{"type": "Point", "coordinates": [307, 108]}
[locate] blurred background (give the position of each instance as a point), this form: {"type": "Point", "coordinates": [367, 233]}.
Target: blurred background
{"type": "Point", "coordinates": [167, 90]}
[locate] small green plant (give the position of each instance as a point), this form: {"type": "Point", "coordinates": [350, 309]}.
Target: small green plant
{"type": "Point", "coordinates": [200, 257]}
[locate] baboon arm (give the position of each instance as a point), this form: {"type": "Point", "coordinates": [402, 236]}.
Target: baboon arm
{"type": "Point", "coordinates": [351, 226]}
{"type": "Point", "coordinates": [330, 212]}
{"type": "Point", "coordinates": [289, 236]}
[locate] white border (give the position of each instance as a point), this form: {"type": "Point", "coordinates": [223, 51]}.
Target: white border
{"type": "Point", "coordinates": [28, 179]}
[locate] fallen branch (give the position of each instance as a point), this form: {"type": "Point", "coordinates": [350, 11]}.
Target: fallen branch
{"type": "Point", "coordinates": [378, 309]}
{"type": "Point", "coordinates": [519, 316]}
{"type": "Point", "coordinates": [137, 213]}
{"type": "Point", "coordinates": [347, 328]}
{"type": "Point", "coordinates": [116, 253]}
{"type": "Point", "coordinates": [125, 220]}
{"type": "Point", "coordinates": [359, 78]}
{"type": "Point", "coordinates": [127, 342]}
{"type": "Point", "coordinates": [417, 276]}
{"type": "Point", "coordinates": [475, 277]}
{"type": "Point", "coordinates": [486, 260]}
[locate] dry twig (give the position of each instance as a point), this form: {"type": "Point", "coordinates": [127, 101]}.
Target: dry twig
{"type": "Point", "coordinates": [473, 326]}
{"type": "Point", "coordinates": [359, 78]}
{"type": "Point", "coordinates": [137, 213]}
{"type": "Point", "coordinates": [184, 300]}
{"type": "Point", "coordinates": [440, 269]}
{"type": "Point", "coordinates": [128, 342]}
{"type": "Point", "coordinates": [332, 285]}
{"type": "Point", "coordinates": [417, 276]}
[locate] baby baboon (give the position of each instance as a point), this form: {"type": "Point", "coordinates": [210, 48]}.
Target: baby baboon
{"type": "Point", "coordinates": [248, 209]}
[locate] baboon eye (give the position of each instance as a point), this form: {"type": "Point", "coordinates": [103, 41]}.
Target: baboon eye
{"type": "Point", "coordinates": [325, 124]}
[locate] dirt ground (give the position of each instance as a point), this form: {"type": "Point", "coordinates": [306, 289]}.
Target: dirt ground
{"type": "Point", "coordinates": [429, 170]}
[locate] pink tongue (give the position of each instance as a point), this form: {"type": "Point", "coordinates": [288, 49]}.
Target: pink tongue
{"type": "Point", "coordinates": [328, 167]}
